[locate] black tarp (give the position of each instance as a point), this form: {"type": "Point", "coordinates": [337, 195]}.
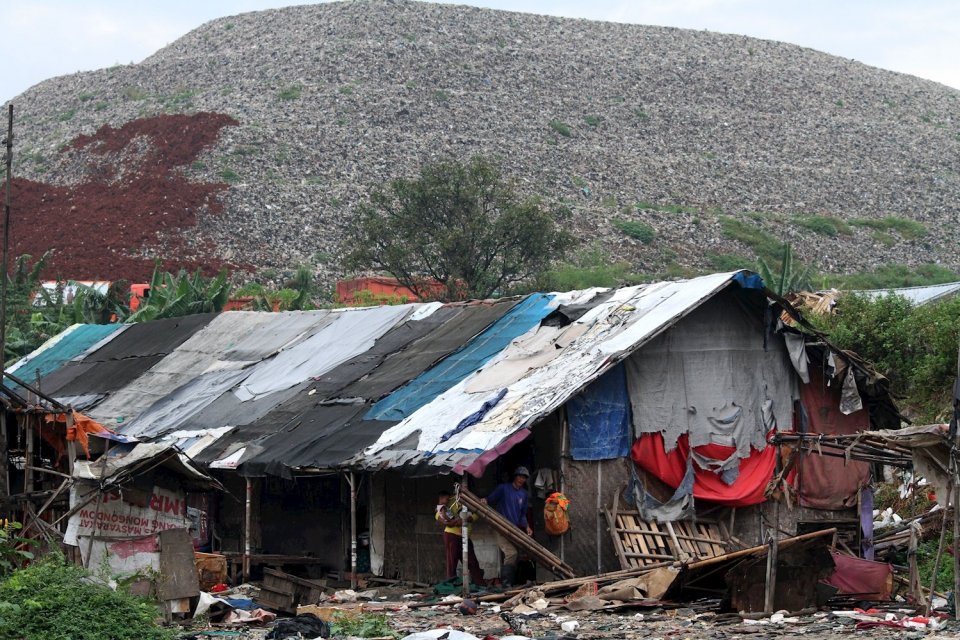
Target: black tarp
{"type": "Point", "coordinates": [307, 430]}
{"type": "Point", "coordinates": [125, 357]}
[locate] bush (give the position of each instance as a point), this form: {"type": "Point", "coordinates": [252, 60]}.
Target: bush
{"type": "Point", "coordinates": [51, 600]}
{"type": "Point", "coordinates": [637, 230]}
{"type": "Point", "coordinates": [915, 347]}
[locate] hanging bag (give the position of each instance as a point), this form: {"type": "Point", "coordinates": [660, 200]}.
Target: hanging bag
{"type": "Point", "coordinates": [555, 514]}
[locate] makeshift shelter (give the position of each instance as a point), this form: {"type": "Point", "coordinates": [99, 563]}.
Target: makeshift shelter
{"type": "Point", "coordinates": [658, 399]}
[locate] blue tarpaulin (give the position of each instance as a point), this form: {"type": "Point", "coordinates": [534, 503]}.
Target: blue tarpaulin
{"type": "Point", "coordinates": [599, 418]}
{"type": "Point", "coordinates": [457, 366]}
{"type": "Point", "coordinates": [71, 345]}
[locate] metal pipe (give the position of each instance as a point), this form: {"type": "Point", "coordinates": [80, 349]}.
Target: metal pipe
{"type": "Point", "coordinates": [248, 517]}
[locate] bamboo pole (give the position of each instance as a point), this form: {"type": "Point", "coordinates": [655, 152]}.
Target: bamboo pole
{"type": "Point", "coordinates": [465, 540]}
{"type": "Point", "coordinates": [517, 537]}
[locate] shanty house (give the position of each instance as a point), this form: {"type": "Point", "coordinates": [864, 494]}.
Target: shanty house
{"type": "Point", "coordinates": [337, 426]}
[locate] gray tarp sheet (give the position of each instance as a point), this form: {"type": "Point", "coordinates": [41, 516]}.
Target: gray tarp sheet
{"type": "Point", "coordinates": [350, 333]}
{"type": "Point", "coordinates": [298, 423]}
{"type": "Point", "coordinates": [712, 376]}
{"type": "Point", "coordinates": [124, 358]}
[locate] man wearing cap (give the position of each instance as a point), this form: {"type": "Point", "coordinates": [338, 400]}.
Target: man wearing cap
{"type": "Point", "coordinates": [511, 500]}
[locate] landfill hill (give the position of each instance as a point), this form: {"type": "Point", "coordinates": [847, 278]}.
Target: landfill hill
{"type": "Point", "coordinates": [247, 141]}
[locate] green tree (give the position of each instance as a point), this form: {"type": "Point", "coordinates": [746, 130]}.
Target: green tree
{"type": "Point", "coordinates": [465, 226]}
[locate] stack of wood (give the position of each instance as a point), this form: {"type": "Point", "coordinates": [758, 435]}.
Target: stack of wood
{"type": "Point", "coordinates": [519, 538]}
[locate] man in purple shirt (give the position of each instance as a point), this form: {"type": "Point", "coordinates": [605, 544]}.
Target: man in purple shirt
{"type": "Point", "coordinates": [511, 500]}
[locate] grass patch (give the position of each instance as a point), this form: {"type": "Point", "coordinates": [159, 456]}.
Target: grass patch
{"type": "Point", "coordinates": [764, 244]}
{"type": "Point", "coordinates": [892, 276]}
{"type": "Point", "coordinates": [666, 208]}
{"type": "Point", "coordinates": [561, 128]}
{"type": "Point", "coordinates": [346, 90]}
{"type": "Point", "coordinates": [313, 180]}
{"type": "Point", "coordinates": [67, 115]}
{"type": "Point", "coordinates": [134, 92]}
{"type": "Point", "coordinates": [824, 225]}
{"type": "Point", "coordinates": [292, 92]}
{"type": "Point", "coordinates": [635, 229]}
{"type": "Point", "coordinates": [884, 238]}
{"type": "Point", "coordinates": [590, 267]}
{"type": "Point", "coordinates": [244, 150]}
{"type": "Point", "coordinates": [100, 106]}
{"type": "Point", "coordinates": [641, 114]}
{"type": "Point", "coordinates": [592, 120]}
{"type": "Point", "coordinates": [730, 262]}
{"type": "Point", "coordinates": [610, 202]}
{"type": "Point", "coordinates": [198, 165]}
{"type": "Point", "coordinates": [440, 95]}
{"type": "Point", "coordinates": [908, 229]}
{"type": "Point", "coordinates": [85, 97]}
{"type": "Point", "coordinates": [230, 175]}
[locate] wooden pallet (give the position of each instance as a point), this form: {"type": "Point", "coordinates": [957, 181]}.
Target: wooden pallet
{"type": "Point", "coordinates": [284, 592]}
{"type": "Point", "coordinates": [639, 543]}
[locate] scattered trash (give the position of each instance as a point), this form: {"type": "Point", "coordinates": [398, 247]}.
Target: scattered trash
{"type": "Point", "coordinates": [468, 607]}
{"type": "Point", "coordinates": [301, 626]}
{"type": "Point", "coordinates": [570, 626]}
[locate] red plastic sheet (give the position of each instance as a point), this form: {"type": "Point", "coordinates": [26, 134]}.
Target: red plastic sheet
{"type": "Point", "coordinates": [826, 482]}
{"type": "Point", "coordinates": [755, 471]}
{"type": "Point", "coordinates": [865, 579]}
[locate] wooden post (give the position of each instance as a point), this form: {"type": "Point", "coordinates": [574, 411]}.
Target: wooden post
{"type": "Point", "coordinates": [352, 480]}
{"type": "Point", "coordinates": [956, 553]}
{"type": "Point", "coordinates": [771, 577]}
{"type": "Point", "coordinates": [28, 437]}
{"type": "Point", "coordinates": [248, 517]}
{"type": "Point", "coordinates": [599, 516]}
{"type": "Point", "coordinates": [943, 539]}
{"type": "Point", "coordinates": [465, 538]}
{"type": "Point", "coordinates": [4, 466]}
{"type": "Point", "coordinates": [564, 445]}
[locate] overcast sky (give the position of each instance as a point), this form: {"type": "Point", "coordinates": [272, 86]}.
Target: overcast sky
{"type": "Point", "coordinates": [45, 38]}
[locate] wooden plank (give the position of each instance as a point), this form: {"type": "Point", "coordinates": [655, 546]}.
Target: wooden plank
{"type": "Point", "coordinates": [649, 556]}
{"type": "Point", "coordinates": [628, 542]}
{"type": "Point", "coordinates": [636, 542]}
{"type": "Point", "coordinates": [617, 542]}
{"type": "Point", "coordinates": [178, 566]}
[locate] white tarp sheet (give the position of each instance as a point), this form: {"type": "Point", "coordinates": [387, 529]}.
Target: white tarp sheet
{"type": "Point", "coordinates": [629, 319]}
